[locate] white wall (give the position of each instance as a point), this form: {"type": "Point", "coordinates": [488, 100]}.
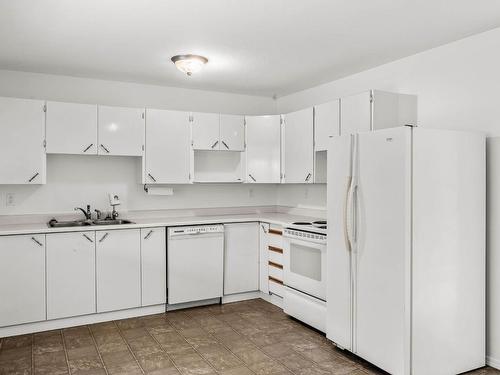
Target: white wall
{"type": "Point", "coordinates": [458, 87]}
{"type": "Point", "coordinates": [78, 180]}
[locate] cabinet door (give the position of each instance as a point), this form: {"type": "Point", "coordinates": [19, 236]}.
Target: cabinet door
{"type": "Point", "coordinates": [154, 266]}
{"type": "Point", "coordinates": [121, 131]}
{"type": "Point", "coordinates": [70, 274]}
{"type": "Point", "coordinates": [263, 149]}
{"type": "Point", "coordinates": [298, 147]}
{"type": "Point", "coordinates": [71, 128]}
{"type": "Point", "coordinates": [232, 132]}
{"type": "Point", "coordinates": [206, 131]}
{"type": "Point", "coordinates": [326, 123]}
{"type": "Point", "coordinates": [355, 113]}
{"type": "Point", "coordinates": [167, 147]}
{"type": "Point", "coordinates": [118, 255]}
{"type": "Point", "coordinates": [263, 258]}
{"type": "Point", "coordinates": [241, 258]}
{"type": "Point", "coordinates": [22, 279]}
{"type": "Point", "coordinates": [22, 129]}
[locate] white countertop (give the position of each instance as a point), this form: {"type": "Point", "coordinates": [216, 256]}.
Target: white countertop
{"type": "Point", "coordinates": [282, 219]}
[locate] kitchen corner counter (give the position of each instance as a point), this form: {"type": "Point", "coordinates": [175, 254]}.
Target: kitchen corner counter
{"type": "Point", "coordinates": [166, 221]}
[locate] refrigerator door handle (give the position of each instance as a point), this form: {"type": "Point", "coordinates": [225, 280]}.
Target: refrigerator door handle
{"type": "Point", "coordinates": [346, 214]}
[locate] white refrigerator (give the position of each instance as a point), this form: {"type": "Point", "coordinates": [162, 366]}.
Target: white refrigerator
{"type": "Point", "coordinates": [406, 249]}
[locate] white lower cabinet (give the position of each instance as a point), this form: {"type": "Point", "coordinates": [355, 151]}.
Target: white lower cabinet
{"type": "Point", "coordinates": [153, 266]}
{"type": "Point", "coordinates": [22, 279]}
{"type": "Point", "coordinates": [241, 258]}
{"type": "Point", "coordinates": [70, 274]}
{"type": "Point", "coordinates": [118, 256]}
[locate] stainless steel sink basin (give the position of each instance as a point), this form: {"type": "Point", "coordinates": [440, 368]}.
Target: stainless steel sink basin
{"type": "Point", "coordinates": [111, 222]}
{"type": "Point", "coordinates": [63, 224]}
{"type": "Point", "coordinates": [83, 223]}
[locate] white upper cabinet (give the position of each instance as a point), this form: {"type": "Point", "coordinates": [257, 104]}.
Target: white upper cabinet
{"type": "Point", "coordinates": [70, 274]}
{"type": "Point", "coordinates": [22, 279]}
{"type": "Point", "coordinates": [71, 128]}
{"type": "Point", "coordinates": [120, 131]}
{"type": "Point", "coordinates": [22, 152]}
{"type": "Point", "coordinates": [232, 133]}
{"type": "Point", "coordinates": [298, 147]}
{"type": "Point", "coordinates": [167, 147]}
{"type": "Point", "coordinates": [206, 131]}
{"type": "Point", "coordinates": [326, 123]}
{"type": "Point", "coordinates": [374, 110]}
{"type": "Point", "coordinates": [263, 153]}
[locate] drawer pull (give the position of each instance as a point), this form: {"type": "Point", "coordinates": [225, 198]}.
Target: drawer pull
{"type": "Point", "coordinates": [104, 237]}
{"type": "Point", "coordinates": [275, 231]}
{"type": "Point", "coordinates": [272, 264]}
{"type": "Point", "coordinates": [88, 238]}
{"type": "Point", "coordinates": [275, 280]}
{"type": "Point", "coordinates": [275, 249]}
{"type": "Point", "coordinates": [149, 234]}
{"type": "Point", "coordinates": [263, 228]}
{"type": "Point", "coordinates": [36, 241]}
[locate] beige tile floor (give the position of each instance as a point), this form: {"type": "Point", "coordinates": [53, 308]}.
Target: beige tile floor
{"type": "Point", "coordinates": [245, 338]}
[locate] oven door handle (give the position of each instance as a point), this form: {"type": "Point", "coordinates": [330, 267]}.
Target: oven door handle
{"type": "Point", "coordinates": [310, 244]}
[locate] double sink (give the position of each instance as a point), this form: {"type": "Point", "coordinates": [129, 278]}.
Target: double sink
{"type": "Point", "coordinates": [83, 223]}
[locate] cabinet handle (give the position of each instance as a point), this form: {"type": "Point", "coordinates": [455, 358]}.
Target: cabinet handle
{"type": "Point", "coordinates": [254, 180]}
{"type": "Point", "coordinates": [88, 238]}
{"type": "Point", "coordinates": [88, 147]}
{"type": "Point", "coordinates": [34, 176]}
{"type": "Point", "coordinates": [149, 234]}
{"type": "Point", "coordinates": [275, 249]}
{"type": "Point", "coordinates": [263, 228]}
{"type": "Point", "coordinates": [275, 231]}
{"type": "Point", "coordinates": [104, 237]}
{"type": "Point", "coordinates": [308, 177]}
{"type": "Point", "coordinates": [151, 177]}
{"type": "Point", "coordinates": [36, 241]}
{"type": "Point", "coordinates": [215, 144]}
{"type": "Point", "coordinates": [104, 148]}
{"type": "Point", "coordinates": [225, 145]}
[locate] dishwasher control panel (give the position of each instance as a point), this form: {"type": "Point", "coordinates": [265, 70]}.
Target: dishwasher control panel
{"type": "Point", "coordinates": [201, 229]}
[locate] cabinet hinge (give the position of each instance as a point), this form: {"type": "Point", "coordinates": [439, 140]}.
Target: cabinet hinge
{"type": "Point", "coordinates": [44, 143]}
{"type": "Point", "coordinates": [142, 147]}
{"type": "Point", "coordinates": [45, 107]}
{"type": "Point", "coordinates": [371, 97]}
{"type": "Point", "coordinates": [142, 115]}
{"type": "Point", "coordinates": [245, 121]}
{"type": "Point", "coordinates": [189, 176]}
{"type": "Point", "coordinates": [281, 120]}
{"type": "Point", "coordinates": [191, 118]}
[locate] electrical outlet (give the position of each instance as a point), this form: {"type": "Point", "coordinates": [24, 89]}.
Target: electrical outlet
{"type": "Point", "coordinates": [10, 199]}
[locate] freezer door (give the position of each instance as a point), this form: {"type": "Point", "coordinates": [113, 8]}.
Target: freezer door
{"type": "Point", "coordinates": [381, 244]}
{"type": "Point", "coordinates": [339, 322]}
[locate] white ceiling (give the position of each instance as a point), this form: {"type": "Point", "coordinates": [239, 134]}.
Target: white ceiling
{"type": "Point", "coordinates": [260, 47]}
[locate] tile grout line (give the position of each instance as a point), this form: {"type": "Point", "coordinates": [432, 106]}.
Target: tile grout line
{"type": "Point", "coordinates": [65, 351]}
{"type": "Point", "coordinates": [97, 350]}
{"type": "Point", "coordinates": [128, 346]}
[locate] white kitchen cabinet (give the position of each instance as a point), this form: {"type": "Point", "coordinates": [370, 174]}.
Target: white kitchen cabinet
{"type": "Point", "coordinates": [120, 131]}
{"type": "Point", "coordinates": [22, 152]}
{"type": "Point", "coordinates": [263, 258]}
{"type": "Point", "coordinates": [206, 131]}
{"type": "Point", "coordinates": [22, 279]}
{"type": "Point", "coordinates": [154, 266]}
{"type": "Point", "coordinates": [167, 147]}
{"type": "Point", "coordinates": [241, 258]}
{"type": "Point", "coordinates": [232, 132]}
{"type": "Point", "coordinates": [374, 110]}
{"type": "Point", "coordinates": [70, 274]}
{"type": "Point", "coordinates": [118, 256]}
{"type": "Point", "coordinates": [263, 155]}
{"type": "Point", "coordinates": [326, 124]}
{"type": "Point", "coordinates": [71, 128]}
{"type": "Point", "coordinates": [298, 147]}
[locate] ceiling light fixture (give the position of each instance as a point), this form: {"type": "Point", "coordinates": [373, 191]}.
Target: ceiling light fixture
{"type": "Point", "coordinates": [189, 64]}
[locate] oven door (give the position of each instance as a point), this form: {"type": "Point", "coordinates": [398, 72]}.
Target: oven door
{"type": "Point", "coordinates": [305, 266]}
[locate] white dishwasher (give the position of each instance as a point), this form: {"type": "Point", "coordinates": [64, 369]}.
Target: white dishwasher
{"type": "Point", "coordinates": [195, 263]}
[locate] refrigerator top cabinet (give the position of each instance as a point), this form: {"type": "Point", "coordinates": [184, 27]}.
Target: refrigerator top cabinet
{"type": "Point", "coordinates": [297, 134]}
{"type": "Point", "coordinates": [375, 110]}
{"type": "Point", "coordinates": [406, 249]}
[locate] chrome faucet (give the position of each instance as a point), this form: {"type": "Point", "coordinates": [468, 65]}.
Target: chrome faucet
{"type": "Point", "coordinates": [88, 214]}
{"type": "Point", "coordinates": [98, 214]}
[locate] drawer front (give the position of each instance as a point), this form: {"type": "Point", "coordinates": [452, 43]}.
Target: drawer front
{"type": "Point", "coordinates": [275, 240]}
{"type": "Point", "coordinates": [275, 287]}
{"type": "Point", "coordinates": [305, 308]}
{"type": "Point", "coordinates": [275, 256]}
{"type": "Point", "coordinates": [275, 271]}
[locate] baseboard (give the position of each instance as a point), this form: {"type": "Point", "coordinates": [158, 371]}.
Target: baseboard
{"type": "Point", "coordinates": [493, 362]}
{"type": "Point", "coordinates": [272, 298]}
{"type": "Point", "coordinates": [75, 321]}
{"type": "Point", "coordinates": [187, 305]}
{"type": "Point", "coordinates": [241, 297]}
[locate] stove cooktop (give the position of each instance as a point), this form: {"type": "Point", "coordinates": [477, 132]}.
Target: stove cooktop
{"type": "Point", "coordinates": [318, 226]}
